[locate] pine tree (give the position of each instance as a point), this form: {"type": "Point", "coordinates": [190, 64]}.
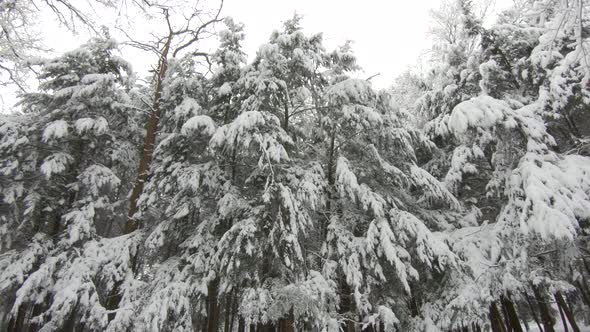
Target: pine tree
{"type": "Point", "coordinates": [73, 155]}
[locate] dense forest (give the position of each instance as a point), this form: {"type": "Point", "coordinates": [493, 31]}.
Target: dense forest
{"type": "Point", "coordinates": [286, 193]}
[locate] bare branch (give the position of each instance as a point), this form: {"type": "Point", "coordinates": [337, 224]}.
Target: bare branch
{"type": "Point", "coordinates": [199, 30]}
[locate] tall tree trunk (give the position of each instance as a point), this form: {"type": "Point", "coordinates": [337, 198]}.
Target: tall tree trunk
{"type": "Point", "coordinates": [17, 323]}
{"type": "Point", "coordinates": [526, 325]}
{"type": "Point", "coordinates": [546, 316]}
{"type": "Point", "coordinates": [512, 315]}
{"type": "Point", "coordinates": [346, 306]}
{"type": "Point", "coordinates": [567, 311]}
{"type": "Point", "coordinates": [475, 327]}
{"type": "Point", "coordinates": [213, 307]}
{"type": "Point", "coordinates": [563, 322]}
{"type": "Point", "coordinates": [506, 319]}
{"type": "Point", "coordinates": [151, 131]}
{"type": "Point", "coordinates": [586, 266]}
{"type": "Point", "coordinates": [287, 324]}
{"type": "Point", "coordinates": [228, 311]}
{"type": "Point", "coordinates": [533, 311]}
{"type": "Point", "coordinates": [495, 318]}
{"type": "Point", "coordinates": [241, 324]}
{"type": "Point", "coordinates": [268, 327]}
{"type": "Point", "coordinates": [584, 292]}
{"type": "Point", "coordinates": [330, 171]}
{"type": "Point", "coordinates": [234, 310]}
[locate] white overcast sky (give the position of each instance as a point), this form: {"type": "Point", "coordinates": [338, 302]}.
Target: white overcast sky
{"type": "Point", "coordinates": [388, 36]}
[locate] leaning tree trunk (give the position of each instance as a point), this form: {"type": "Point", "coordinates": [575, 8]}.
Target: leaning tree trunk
{"type": "Point", "coordinates": [512, 315]}
{"type": "Point", "coordinates": [563, 322]}
{"type": "Point", "coordinates": [495, 318]}
{"type": "Point", "coordinates": [546, 316]}
{"type": "Point", "coordinates": [533, 312]}
{"type": "Point", "coordinates": [151, 131]}
{"type": "Point", "coordinates": [567, 311]}
{"type": "Point", "coordinates": [507, 322]}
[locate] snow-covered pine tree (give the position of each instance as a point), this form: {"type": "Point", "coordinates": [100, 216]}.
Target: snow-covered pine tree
{"type": "Point", "coordinates": [186, 203]}
{"type": "Point", "coordinates": [63, 164]}
{"type": "Point", "coordinates": [531, 247]}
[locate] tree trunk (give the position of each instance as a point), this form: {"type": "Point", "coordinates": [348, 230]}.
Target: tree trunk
{"type": "Point", "coordinates": [546, 316]}
{"type": "Point", "coordinates": [526, 324]}
{"type": "Point", "coordinates": [151, 131]}
{"type": "Point", "coordinates": [17, 323]}
{"type": "Point", "coordinates": [567, 311]}
{"type": "Point", "coordinates": [268, 327]}
{"type": "Point", "coordinates": [495, 318]}
{"type": "Point", "coordinates": [346, 306]}
{"type": "Point", "coordinates": [584, 283]}
{"type": "Point", "coordinates": [234, 310]}
{"type": "Point", "coordinates": [228, 312]}
{"type": "Point", "coordinates": [565, 329]}
{"type": "Point", "coordinates": [586, 266]}
{"type": "Point", "coordinates": [533, 312]}
{"type": "Point", "coordinates": [213, 307]}
{"type": "Point", "coordinates": [506, 319]}
{"type": "Point", "coordinates": [512, 315]}
{"type": "Point", "coordinates": [241, 325]}
{"type": "Point", "coordinates": [287, 324]}
{"type": "Point", "coordinates": [330, 170]}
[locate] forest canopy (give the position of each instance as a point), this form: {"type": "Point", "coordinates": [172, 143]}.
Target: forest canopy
{"type": "Point", "coordinates": [283, 192]}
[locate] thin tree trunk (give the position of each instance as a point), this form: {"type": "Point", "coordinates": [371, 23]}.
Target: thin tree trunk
{"type": "Point", "coordinates": [512, 315]}
{"type": "Point", "coordinates": [213, 307]}
{"type": "Point", "coordinates": [287, 324]}
{"type": "Point", "coordinates": [565, 329]}
{"type": "Point", "coordinates": [17, 323]}
{"type": "Point", "coordinates": [346, 306]}
{"type": "Point", "coordinates": [567, 311]}
{"type": "Point", "coordinates": [228, 311]}
{"type": "Point", "coordinates": [585, 297]}
{"type": "Point", "coordinates": [495, 319]}
{"type": "Point", "coordinates": [330, 172]}
{"type": "Point", "coordinates": [234, 310]}
{"type": "Point", "coordinates": [241, 325]}
{"type": "Point", "coordinates": [546, 316]}
{"type": "Point", "coordinates": [586, 266]}
{"type": "Point", "coordinates": [584, 287]}
{"type": "Point", "coordinates": [526, 324]}
{"type": "Point", "coordinates": [506, 319]}
{"type": "Point", "coordinates": [151, 131]}
{"type": "Point", "coordinates": [533, 312]}
{"type": "Point", "coordinates": [268, 327]}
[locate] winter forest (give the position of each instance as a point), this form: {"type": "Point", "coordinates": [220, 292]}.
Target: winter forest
{"type": "Point", "coordinates": [284, 192]}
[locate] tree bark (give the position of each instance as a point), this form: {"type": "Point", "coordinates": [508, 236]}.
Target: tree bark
{"type": "Point", "coordinates": [583, 285]}
{"type": "Point", "coordinates": [533, 312]}
{"type": "Point", "coordinates": [565, 329]}
{"type": "Point", "coordinates": [228, 312]}
{"type": "Point", "coordinates": [495, 318]}
{"type": "Point", "coordinates": [346, 306]}
{"type": "Point", "coordinates": [151, 131]}
{"type": "Point", "coordinates": [546, 316]}
{"type": "Point", "coordinates": [567, 311]}
{"type": "Point", "coordinates": [213, 307]}
{"type": "Point", "coordinates": [268, 327]}
{"type": "Point", "coordinates": [512, 315]}
{"type": "Point", "coordinates": [330, 170]}
{"type": "Point", "coordinates": [586, 265]}
{"type": "Point", "coordinates": [241, 325]}
{"type": "Point", "coordinates": [505, 314]}
{"type": "Point", "coordinates": [287, 324]}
